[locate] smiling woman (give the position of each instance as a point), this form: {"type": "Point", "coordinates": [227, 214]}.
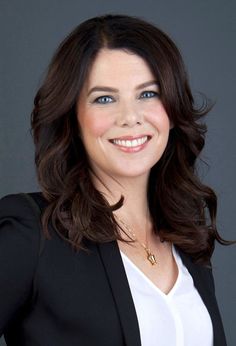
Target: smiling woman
{"type": "Point", "coordinates": [116, 248]}
{"type": "Point", "coordinates": [130, 119]}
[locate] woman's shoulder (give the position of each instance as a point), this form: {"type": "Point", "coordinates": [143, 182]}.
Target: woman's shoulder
{"type": "Point", "coordinates": [21, 203]}
{"type": "Point", "coordinates": [20, 223]}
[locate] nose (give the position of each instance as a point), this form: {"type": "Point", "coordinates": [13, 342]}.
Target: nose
{"type": "Point", "coordinates": [129, 116]}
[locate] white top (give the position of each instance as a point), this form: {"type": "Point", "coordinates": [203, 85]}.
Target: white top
{"type": "Point", "coordinates": [174, 319]}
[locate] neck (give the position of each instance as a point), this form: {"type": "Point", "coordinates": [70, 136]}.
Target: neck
{"type": "Point", "coordinates": [134, 189]}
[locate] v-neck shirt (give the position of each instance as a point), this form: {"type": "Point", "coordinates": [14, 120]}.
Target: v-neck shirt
{"type": "Point", "coordinates": [178, 318]}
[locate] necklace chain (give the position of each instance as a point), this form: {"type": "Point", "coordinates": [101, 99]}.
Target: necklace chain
{"type": "Point", "coordinates": [150, 256]}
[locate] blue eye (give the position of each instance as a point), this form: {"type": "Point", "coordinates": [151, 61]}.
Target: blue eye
{"type": "Point", "coordinates": [149, 94]}
{"type": "Point", "coordinates": [103, 99]}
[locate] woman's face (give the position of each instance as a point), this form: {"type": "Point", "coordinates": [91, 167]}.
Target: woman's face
{"type": "Point", "coordinates": [123, 124]}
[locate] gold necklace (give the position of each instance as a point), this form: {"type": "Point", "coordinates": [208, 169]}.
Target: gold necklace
{"type": "Point", "coordinates": [150, 256]}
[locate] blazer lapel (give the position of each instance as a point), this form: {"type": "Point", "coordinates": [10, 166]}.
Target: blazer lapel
{"type": "Point", "coordinates": [116, 275]}
{"type": "Point", "coordinates": [204, 283]}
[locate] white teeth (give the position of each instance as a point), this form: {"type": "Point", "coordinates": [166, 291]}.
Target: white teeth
{"type": "Point", "coordinates": [133, 143]}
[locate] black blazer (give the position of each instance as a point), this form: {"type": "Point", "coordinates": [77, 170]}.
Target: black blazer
{"type": "Point", "coordinates": [53, 296]}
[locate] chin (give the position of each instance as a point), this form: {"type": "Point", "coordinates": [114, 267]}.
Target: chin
{"type": "Point", "coordinates": [132, 173]}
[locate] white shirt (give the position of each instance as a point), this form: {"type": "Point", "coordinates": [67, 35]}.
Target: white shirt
{"type": "Point", "coordinates": [174, 319]}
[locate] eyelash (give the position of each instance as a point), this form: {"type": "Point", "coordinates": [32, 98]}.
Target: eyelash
{"type": "Point", "coordinates": [107, 96]}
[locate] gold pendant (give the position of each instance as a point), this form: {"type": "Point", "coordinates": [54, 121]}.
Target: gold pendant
{"type": "Point", "coordinates": [151, 258]}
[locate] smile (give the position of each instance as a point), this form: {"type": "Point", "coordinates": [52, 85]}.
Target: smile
{"type": "Point", "coordinates": [131, 144]}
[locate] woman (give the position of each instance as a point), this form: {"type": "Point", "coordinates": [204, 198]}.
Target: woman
{"type": "Point", "coordinates": [122, 256]}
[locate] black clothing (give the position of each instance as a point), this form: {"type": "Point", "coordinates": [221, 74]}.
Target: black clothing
{"type": "Point", "coordinates": [52, 296]}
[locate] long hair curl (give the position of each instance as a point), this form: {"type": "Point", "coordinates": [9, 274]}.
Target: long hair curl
{"type": "Point", "coordinates": [182, 208]}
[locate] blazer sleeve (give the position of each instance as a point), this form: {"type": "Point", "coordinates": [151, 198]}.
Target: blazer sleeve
{"type": "Point", "coordinates": [19, 243]}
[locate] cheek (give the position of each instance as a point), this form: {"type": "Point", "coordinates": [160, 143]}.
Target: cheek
{"type": "Point", "coordinates": [96, 124]}
{"type": "Point", "coordinates": [158, 117]}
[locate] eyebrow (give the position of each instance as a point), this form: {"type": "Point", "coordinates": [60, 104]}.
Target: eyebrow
{"type": "Point", "coordinates": [106, 88]}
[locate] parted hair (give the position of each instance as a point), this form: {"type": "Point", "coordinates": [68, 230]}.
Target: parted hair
{"type": "Point", "coordinates": [182, 208]}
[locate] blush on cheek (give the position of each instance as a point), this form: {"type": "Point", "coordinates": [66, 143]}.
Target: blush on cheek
{"type": "Point", "coordinates": [96, 124]}
{"type": "Point", "coordinates": [157, 116]}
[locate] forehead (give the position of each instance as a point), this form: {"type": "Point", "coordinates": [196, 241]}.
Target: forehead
{"type": "Point", "coordinates": [117, 65]}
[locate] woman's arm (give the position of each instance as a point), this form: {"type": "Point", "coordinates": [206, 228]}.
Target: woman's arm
{"type": "Point", "coordinates": [19, 243]}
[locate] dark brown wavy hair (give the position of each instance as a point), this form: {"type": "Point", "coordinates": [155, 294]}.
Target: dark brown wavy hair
{"type": "Point", "coordinates": [183, 210]}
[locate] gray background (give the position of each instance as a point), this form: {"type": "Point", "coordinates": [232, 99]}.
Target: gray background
{"type": "Point", "coordinates": [204, 31]}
